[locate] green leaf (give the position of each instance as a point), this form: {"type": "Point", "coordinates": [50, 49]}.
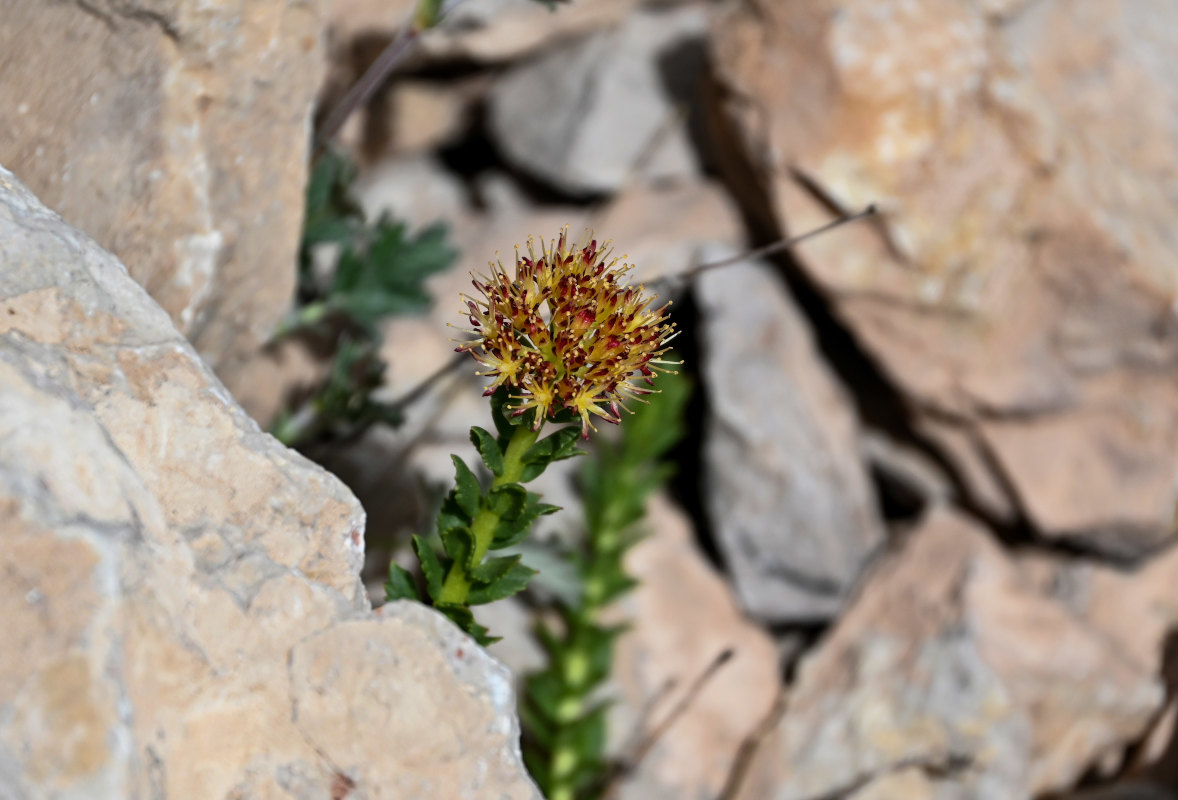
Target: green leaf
{"type": "Point", "coordinates": [587, 734]}
{"type": "Point", "coordinates": [515, 530]}
{"type": "Point", "coordinates": [508, 584]}
{"type": "Point", "coordinates": [400, 585]}
{"type": "Point", "coordinates": [544, 689]}
{"type": "Point", "coordinates": [464, 619]}
{"type": "Point", "coordinates": [451, 515]}
{"type": "Point", "coordinates": [501, 415]}
{"type": "Point", "coordinates": [493, 569]}
{"type": "Point", "coordinates": [560, 445]}
{"type": "Point", "coordinates": [430, 567]}
{"type": "Point", "coordinates": [488, 448]}
{"type": "Point", "coordinates": [467, 490]}
{"type": "Point", "coordinates": [459, 544]}
{"type": "Point", "coordinates": [508, 501]}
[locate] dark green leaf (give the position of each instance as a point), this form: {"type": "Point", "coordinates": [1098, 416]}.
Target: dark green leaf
{"type": "Point", "coordinates": [494, 568]}
{"type": "Point", "coordinates": [450, 515]}
{"type": "Point", "coordinates": [461, 616]}
{"type": "Point", "coordinates": [501, 415]}
{"type": "Point", "coordinates": [556, 447]}
{"type": "Point", "coordinates": [515, 530]}
{"type": "Point", "coordinates": [489, 449]}
{"type": "Point", "coordinates": [467, 490]}
{"type": "Point", "coordinates": [508, 584]}
{"type": "Point", "coordinates": [587, 734]}
{"type": "Point", "coordinates": [459, 544]}
{"type": "Point", "coordinates": [400, 585]}
{"type": "Point", "coordinates": [508, 501]}
{"type": "Point", "coordinates": [545, 690]}
{"type": "Point", "coordinates": [429, 566]}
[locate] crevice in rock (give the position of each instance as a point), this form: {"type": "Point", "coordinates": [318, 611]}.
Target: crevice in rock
{"type": "Point", "coordinates": [879, 402]}
{"type": "Point", "coordinates": [686, 485]}
{"type": "Point", "coordinates": [475, 154]}
{"type": "Point", "coordinates": [131, 12]}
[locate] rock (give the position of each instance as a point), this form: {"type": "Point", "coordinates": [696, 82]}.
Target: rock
{"type": "Point", "coordinates": [909, 483]}
{"type": "Point", "coordinates": [965, 453]}
{"type": "Point", "coordinates": [176, 135]}
{"type": "Point", "coordinates": [491, 31]}
{"type": "Point", "coordinates": [415, 189]}
{"type": "Point", "coordinates": [484, 31]}
{"type": "Point", "coordinates": [1020, 282]}
{"type": "Point", "coordinates": [784, 484]}
{"type": "Point", "coordinates": [694, 756]}
{"type": "Point", "coordinates": [428, 114]}
{"type": "Point", "coordinates": [954, 660]}
{"type": "Point", "coordinates": [593, 115]}
{"type": "Point", "coordinates": [182, 606]}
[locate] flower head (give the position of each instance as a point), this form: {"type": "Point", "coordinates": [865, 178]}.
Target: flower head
{"type": "Point", "coordinates": [565, 333]}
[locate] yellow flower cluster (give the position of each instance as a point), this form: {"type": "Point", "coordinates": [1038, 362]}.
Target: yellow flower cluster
{"type": "Point", "coordinates": [564, 333]}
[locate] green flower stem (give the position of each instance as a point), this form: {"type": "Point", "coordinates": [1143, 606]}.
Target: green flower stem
{"type": "Point", "coordinates": [457, 585]}
{"type": "Point", "coordinates": [427, 14]}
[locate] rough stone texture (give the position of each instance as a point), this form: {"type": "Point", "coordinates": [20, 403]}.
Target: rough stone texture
{"type": "Point", "coordinates": [175, 133]}
{"type": "Point", "coordinates": [183, 614]}
{"type": "Point", "coordinates": [693, 758]}
{"type": "Point", "coordinates": [1022, 280]}
{"type": "Point", "coordinates": [481, 30]}
{"type": "Point", "coordinates": [957, 660]}
{"type": "Point", "coordinates": [787, 492]}
{"type": "Point", "coordinates": [623, 123]}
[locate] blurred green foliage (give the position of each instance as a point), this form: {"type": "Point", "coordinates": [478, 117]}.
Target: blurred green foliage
{"type": "Point", "coordinates": [374, 271]}
{"type": "Point", "coordinates": [562, 711]}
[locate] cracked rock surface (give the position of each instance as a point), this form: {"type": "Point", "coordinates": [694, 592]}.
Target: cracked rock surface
{"type": "Point", "coordinates": [1019, 289]}
{"type": "Point", "coordinates": [183, 612]}
{"type": "Point", "coordinates": [174, 132]}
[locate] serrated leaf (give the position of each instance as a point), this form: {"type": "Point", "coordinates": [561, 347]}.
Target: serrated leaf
{"type": "Point", "coordinates": [505, 424]}
{"type": "Point", "coordinates": [508, 501]}
{"type": "Point", "coordinates": [556, 447]}
{"type": "Point", "coordinates": [512, 582]}
{"type": "Point", "coordinates": [493, 568]}
{"type": "Point", "coordinates": [467, 490]}
{"type": "Point", "coordinates": [488, 448]}
{"type": "Point", "coordinates": [400, 585]}
{"type": "Point", "coordinates": [514, 531]}
{"type": "Point", "coordinates": [464, 619]}
{"type": "Point", "coordinates": [450, 515]}
{"type": "Point", "coordinates": [459, 544]}
{"type": "Point", "coordinates": [430, 567]}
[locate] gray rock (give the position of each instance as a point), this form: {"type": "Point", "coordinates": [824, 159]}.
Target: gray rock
{"type": "Point", "coordinates": [954, 674]}
{"type": "Point", "coordinates": [582, 117]}
{"type": "Point", "coordinates": [182, 610]}
{"type": "Point", "coordinates": [785, 486]}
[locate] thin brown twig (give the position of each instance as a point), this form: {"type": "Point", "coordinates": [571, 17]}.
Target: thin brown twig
{"type": "Point", "coordinates": [374, 77]}
{"type": "Point", "coordinates": [751, 745]}
{"type": "Point", "coordinates": [768, 250]}
{"type": "Point", "coordinates": [419, 391]}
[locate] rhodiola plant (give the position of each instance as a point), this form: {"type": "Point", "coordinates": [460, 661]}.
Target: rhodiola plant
{"type": "Point", "coordinates": [563, 340]}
